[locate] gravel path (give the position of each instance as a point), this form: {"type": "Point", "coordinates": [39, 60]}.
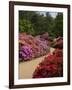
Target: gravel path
{"type": "Point", "coordinates": [26, 69]}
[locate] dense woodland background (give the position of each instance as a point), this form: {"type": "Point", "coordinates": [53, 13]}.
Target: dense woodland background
{"type": "Point", "coordinates": [34, 23]}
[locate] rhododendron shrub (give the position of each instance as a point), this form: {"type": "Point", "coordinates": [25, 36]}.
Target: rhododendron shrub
{"type": "Point", "coordinates": [51, 66]}
{"type": "Point", "coordinates": [58, 43]}
{"type": "Point", "coordinates": [31, 47]}
{"type": "Point", "coordinates": [25, 53]}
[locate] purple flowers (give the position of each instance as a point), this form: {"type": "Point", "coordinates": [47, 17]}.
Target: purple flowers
{"type": "Point", "coordinates": [31, 47]}
{"type": "Point", "coordinates": [25, 53]}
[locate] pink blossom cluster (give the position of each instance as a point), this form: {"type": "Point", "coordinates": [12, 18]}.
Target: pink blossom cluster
{"type": "Point", "coordinates": [32, 46]}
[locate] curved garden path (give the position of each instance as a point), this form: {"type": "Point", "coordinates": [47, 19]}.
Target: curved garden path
{"type": "Point", "coordinates": [26, 69]}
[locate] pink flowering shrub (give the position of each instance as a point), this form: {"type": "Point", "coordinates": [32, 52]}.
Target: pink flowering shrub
{"type": "Point", "coordinates": [31, 47]}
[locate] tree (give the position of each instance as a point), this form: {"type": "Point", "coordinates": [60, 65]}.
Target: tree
{"type": "Point", "coordinates": [58, 27]}
{"type": "Point", "coordinates": [49, 23]}
{"type": "Point", "coordinates": [26, 26]}
{"type": "Point", "coordinates": [35, 23]}
{"type": "Point", "coordinates": [39, 23]}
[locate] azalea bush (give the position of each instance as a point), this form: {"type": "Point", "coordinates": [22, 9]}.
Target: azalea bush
{"type": "Point", "coordinates": [58, 43]}
{"type": "Point", "coordinates": [51, 66]}
{"type": "Point", "coordinates": [32, 46]}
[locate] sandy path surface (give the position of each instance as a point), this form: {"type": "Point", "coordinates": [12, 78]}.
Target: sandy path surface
{"type": "Point", "coordinates": [26, 69]}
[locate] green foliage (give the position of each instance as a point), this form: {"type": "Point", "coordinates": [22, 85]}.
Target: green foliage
{"type": "Point", "coordinates": [35, 23]}
{"type": "Point", "coordinates": [39, 23]}
{"type": "Point", "coordinates": [58, 27]}
{"type": "Point", "coordinates": [26, 26]}
{"type": "Point", "coordinates": [49, 23]}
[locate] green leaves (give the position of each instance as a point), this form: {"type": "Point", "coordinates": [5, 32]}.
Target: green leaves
{"type": "Point", "coordinates": [35, 23]}
{"type": "Point", "coordinates": [26, 26]}
{"type": "Point", "coordinates": [58, 27]}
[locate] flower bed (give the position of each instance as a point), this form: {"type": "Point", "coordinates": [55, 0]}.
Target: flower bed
{"type": "Point", "coordinates": [58, 43]}
{"type": "Point", "coordinates": [31, 47]}
{"type": "Point", "coordinates": [51, 66]}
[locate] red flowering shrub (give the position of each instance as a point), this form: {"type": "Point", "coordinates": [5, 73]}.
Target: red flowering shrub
{"type": "Point", "coordinates": [51, 66]}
